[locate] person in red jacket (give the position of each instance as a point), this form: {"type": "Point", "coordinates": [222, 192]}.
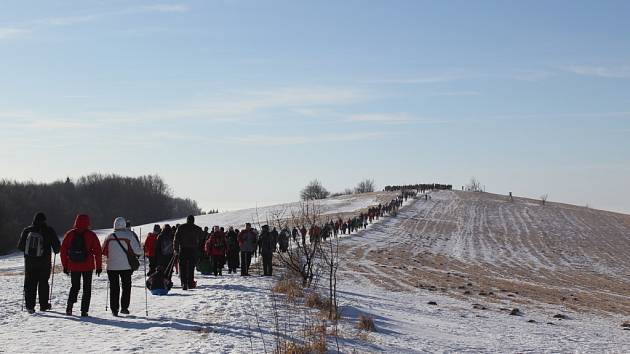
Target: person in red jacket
{"type": "Point", "coordinates": [149, 247]}
{"type": "Point", "coordinates": [80, 255]}
{"type": "Point", "coordinates": [216, 248]}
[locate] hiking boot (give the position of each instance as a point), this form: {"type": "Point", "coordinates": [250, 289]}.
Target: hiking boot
{"type": "Point", "coordinates": [30, 311]}
{"type": "Point", "coordinates": [84, 314]}
{"type": "Point", "coordinates": [125, 311]}
{"type": "Point", "coordinates": [69, 310]}
{"type": "Point", "coordinates": [114, 313]}
{"type": "Point", "coordinates": [45, 307]}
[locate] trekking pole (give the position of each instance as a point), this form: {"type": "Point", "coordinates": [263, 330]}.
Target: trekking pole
{"type": "Point", "coordinates": [52, 281]}
{"type": "Point", "coordinates": [107, 294]}
{"type": "Point", "coordinates": [146, 296]}
{"type": "Point", "coordinates": [24, 293]}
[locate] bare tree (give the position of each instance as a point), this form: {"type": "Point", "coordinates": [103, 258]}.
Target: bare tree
{"type": "Point", "coordinates": [329, 253]}
{"type": "Point", "coordinates": [474, 185]}
{"type": "Point", "coordinates": [300, 257]}
{"type": "Point", "coordinates": [365, 186]}
{"type": "Point", "coordinates": [543, 198]}
{"type": "Point", "coordinates": [314, 190]}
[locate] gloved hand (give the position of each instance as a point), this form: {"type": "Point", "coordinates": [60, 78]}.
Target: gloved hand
{"type": "Point", "coordinates": [66, 271]}
{"type": "Point", "coordinates": [98, 272]}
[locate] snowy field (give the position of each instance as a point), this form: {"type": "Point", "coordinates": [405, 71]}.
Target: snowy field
{"type": "Point", "coordinates": [431, 251]}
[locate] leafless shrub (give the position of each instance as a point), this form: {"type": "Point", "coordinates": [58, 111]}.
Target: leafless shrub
{"type": "Point", "coordinates": [314, 300]}
{"type": "Point", "coordinates": [543, 198]}
{"type": "Point", "coordinates": [366, 323]}
{"type": "Point", "coordinates": [365, 186]}
{"type": "Point", "coordinates": [474, 185]}
{"type": "Point", "coordinates": [300, 257]}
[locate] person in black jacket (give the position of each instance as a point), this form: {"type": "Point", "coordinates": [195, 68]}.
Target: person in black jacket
{"type": "Point", "coordinates": [36, 242]}
{"type": "Point", "coordinates": [267, 244]}
{"type": "Point", "coordinates": [233, 250]}
{"type": "Point", "coordinates": [186, 245]}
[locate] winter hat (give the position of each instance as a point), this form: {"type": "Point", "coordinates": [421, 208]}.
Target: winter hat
{"type": "Point", "coordinates": [120, 223]}
{"type": "Point", "coordinates": [39, 219]}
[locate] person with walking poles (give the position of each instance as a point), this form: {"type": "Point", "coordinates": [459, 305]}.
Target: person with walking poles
{"type": "Point", "coordinates": [186, 246]}
{"type": "Point", "coordinates": [80, 256]}
{"type": "Point", "coordinates": [121, 248]}
{"type": "Point", "coordinates": [37, 241]}
{"type": "Point", "coordinates": [247, 244]}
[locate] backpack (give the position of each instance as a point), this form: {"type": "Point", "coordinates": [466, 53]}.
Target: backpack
{"type": "Point", "coordinates": [166, 246]}
{"type": "Point", "coordinates": [219, 243]}
{"type": "Point", "coordinates": [78, 252]}
{"type": "Point", "coordinates": [34, 244]}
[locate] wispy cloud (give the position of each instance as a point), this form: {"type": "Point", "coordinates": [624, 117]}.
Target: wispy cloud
{"type": "Point", "coordinates": [416, 80]}
{"type": "Point", "coordinates": [43, 23]}
{"type": "Point", "coordinates": [531, 75]}
{"type": "Point", "coordinates": [281, 140]}
{"type": "Point", "coordinates": [165, 8]}
{"type": "Point", "coordinates": [228, 106]}
{"type": "Point", "coordinates": [11, 32]}
{"type": "Point", "coordinates": [456, 93]}
{"type": "Point", "coordinates": [66, 21]}
{"type": "Point", "coordinates": [614, 72]}
{"type": "Point", "coordinates": [390, 118]}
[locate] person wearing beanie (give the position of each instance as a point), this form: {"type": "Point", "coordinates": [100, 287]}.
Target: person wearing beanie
{"type": "Point", "coordinates": [37, 241]}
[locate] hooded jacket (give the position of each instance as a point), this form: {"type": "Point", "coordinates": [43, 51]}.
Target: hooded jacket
{"type": "Point", "coordinates": [51, 241]}
{"type": "Point", "coordinates": [93, 246]}
{"type": "Point", "coordinates": [116, 255]}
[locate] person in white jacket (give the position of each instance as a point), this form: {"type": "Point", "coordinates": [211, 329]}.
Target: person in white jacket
{"type": "Point", "coordinates": [115, 248]}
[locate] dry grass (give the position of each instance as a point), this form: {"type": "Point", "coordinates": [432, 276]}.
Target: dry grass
{"type": "Point", "coordinates": [315, 341]}
{"type": "Point", "coordinates": [366, 323]}
{"type": "Point", "coordinates": [289, 287]}
{"type": "Point", "coordinates": [314, 300]}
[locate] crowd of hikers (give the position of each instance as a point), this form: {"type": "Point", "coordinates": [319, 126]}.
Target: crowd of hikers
{"type": "Point", "coordinates": [179, 248]}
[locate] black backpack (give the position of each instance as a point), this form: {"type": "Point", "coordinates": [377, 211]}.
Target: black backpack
{"type": "Point", "coordinates": [78, 252]}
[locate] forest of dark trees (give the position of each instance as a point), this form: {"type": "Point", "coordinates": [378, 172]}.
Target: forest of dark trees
{"type": "Point", "coordinates": [103, 197]}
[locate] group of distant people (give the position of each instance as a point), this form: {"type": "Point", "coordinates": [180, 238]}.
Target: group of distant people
{"type": "Point", "coordinates": [182, 248]}
{"type": "Point", "coordinates": [421, 187]}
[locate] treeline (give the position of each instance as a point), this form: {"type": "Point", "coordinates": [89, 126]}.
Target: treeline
{"type": "Point", "coordinates": [140, 199]}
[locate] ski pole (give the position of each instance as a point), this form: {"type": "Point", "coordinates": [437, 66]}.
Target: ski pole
{"type": "Point", "coordinates": [52, 281]}
{"type": "Point", "coordinates": [146, 296]}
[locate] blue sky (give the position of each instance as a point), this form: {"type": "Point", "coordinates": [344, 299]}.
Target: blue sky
{"type": "Point", "coordinates": [242, 102]}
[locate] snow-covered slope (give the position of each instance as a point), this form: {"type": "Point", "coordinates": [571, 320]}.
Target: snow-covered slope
{"type": "Point", "coordinates": [477, 256]}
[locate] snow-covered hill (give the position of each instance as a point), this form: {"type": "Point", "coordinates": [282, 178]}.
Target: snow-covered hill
{"type": "Point", "coordinates": [476, 255]}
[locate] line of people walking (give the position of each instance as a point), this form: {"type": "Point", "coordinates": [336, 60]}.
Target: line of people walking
{"type": "Point", "coordinates": [180, 248]}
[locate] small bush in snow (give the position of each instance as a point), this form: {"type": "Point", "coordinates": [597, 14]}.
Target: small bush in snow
{"type": "Point", "coordinates": [314, 300]}
{"type": "Point", "coordinates": [366, 323]}
{"type": "Point", "coordinates": [289, 287]}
